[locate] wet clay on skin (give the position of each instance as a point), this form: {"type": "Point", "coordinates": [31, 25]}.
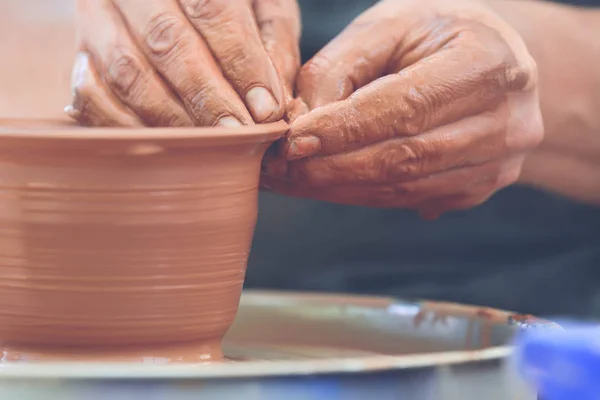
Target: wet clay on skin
{"type": "Point", "coordinates": [124, 244]}
{"type": "Point", "coordinates": [429, 108]}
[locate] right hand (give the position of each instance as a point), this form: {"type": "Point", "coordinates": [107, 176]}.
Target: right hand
{"type": "Point", "coordinates": [430, 105]}
{"type": "Point", "coordinates": [184, 62]}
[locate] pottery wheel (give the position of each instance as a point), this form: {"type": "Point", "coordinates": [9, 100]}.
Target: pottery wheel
{"type": "Point", "coordinates": [294, 326]}
{"type": "Point", "coordinates": [294, 333]}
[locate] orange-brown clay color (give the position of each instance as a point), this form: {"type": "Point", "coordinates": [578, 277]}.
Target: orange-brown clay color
{"type": "Point", "coordinates": [116, 240]}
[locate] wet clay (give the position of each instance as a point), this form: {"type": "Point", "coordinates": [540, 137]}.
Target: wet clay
{"type": "Point", "coordinates": [124, 243]}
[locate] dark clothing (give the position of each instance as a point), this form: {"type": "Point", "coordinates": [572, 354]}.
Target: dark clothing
{"type": "Point", "coordinates": [523, 250]}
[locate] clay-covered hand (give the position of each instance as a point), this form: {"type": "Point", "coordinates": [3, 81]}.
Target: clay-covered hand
{"type": "Point", "coordinates": [423, 104]}
{"type": "Point", "coordinates": [184, 62]}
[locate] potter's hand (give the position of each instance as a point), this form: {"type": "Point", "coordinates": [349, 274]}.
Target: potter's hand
{"type": "Point", "coordinates": [429, 105]}
{"type": "Point", "coordinates": [184, 62]}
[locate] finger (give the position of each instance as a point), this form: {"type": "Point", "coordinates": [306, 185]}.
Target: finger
{"type": "Point", "coordinates": [279, 26]}
{"type": "Point", "coordinates": [508, 175]}
{"type": "Point", "coordinates": [230, 30]}
{"type": "Point", "coordinates": [348, 195]}
{"type": "Point", "coordinates": [93, 104]}
{"type": "Point", "coordinates": [176, 50]}
{"type": "Point", "coordinates": [469, 142]}
{"type": "Point", "coordinates": [126, 70]}
{"type": "Point", "coordinates": [430, 93]}
{"type": "Point", "coordinates": [357, 56]}
{"type": "Point", "coordinates": [443, 189]}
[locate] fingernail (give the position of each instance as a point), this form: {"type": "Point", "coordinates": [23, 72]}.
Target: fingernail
{"type": "Point", "coordinates": [303, 146]}
{"type": "Point", "coordinates": [228, 121]}
{"type": "Point", "coordinates": [261, 103]}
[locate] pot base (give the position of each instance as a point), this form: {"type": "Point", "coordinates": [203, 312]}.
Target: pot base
{"type": "Point", "coordinates": [290, 328]}
{"type": "Point", "coordinates": [189, 353]}
{"type": "Point", "coordinates": [292, 346]}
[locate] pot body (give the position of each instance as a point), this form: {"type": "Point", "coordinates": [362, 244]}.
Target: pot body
{"type": "Point", "coordinates": [122, 241]}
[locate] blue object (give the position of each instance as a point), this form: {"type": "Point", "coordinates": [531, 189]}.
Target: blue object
{"type": "Point", "coordinates": [561, 364]}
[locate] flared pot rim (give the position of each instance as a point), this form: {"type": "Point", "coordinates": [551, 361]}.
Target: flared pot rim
{"type": "Point", "coordinates": [61, 130]}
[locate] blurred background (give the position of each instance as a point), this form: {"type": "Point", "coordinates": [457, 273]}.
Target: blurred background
{"type": "Point", "coordinates": [523, 250]}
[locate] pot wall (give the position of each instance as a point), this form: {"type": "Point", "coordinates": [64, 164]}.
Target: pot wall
{"type": "Point", "coordinates": [123, 242]}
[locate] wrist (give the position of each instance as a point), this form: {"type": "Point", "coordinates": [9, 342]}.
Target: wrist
{"type": "Point", "coordinates": [562, 40]}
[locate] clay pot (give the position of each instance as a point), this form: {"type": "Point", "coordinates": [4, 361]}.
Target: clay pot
{"type": "Point", "coordinates": [125, 239]}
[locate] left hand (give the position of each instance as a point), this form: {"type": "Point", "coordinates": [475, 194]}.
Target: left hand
{"type": "Point", "coordinates": [430, 105]}
{"type": "Point", "coordinates": [184, 62]}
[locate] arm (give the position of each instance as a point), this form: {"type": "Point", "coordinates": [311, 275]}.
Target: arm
{"type": "Point", "coordinates": [565, 42]}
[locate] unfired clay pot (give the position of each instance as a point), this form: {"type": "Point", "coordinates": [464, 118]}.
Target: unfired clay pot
{"type": "Point", "coordinates": [124, 242]}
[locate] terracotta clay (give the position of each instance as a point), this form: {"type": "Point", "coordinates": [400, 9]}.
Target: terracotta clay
{"type": "Point", "coordinates": [125, 241]}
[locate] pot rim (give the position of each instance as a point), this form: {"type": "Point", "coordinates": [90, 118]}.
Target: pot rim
{"type": "Point", "coordinates": [44, 129]}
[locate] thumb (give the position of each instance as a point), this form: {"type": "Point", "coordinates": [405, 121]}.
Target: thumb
{"type": "Point", "coordinates": [360, 54]}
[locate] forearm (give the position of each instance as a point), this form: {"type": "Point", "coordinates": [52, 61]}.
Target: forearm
{"type": "Point", "coordinates": [565, 42]}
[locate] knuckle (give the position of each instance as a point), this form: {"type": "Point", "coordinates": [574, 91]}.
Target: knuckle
{"type": "Point", "coordinates": [124, 72]}
{"type": "Point", "coordinates": [383, 167]}
{"type": "Point", "coordinates": [517, 76]}
{"type": "Point", "coordinates": [201, 102]}
{"type": "Point", "coordinates": [204, 9]}
{"type": "Point", "coordinates": [322, 75]}
{"type": "Point", "coordinates": [318, 67]}
{"type": "Point", "coordinates": [352, 130]}
{"type": "Point", "coordinates": [417, 105]}
{"type": "Point", "coordinates": [236, 57]}
{"type": "Point", "coordinates": [403, 161]}
{"type": "Point", "coordinates": [164, 33]}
